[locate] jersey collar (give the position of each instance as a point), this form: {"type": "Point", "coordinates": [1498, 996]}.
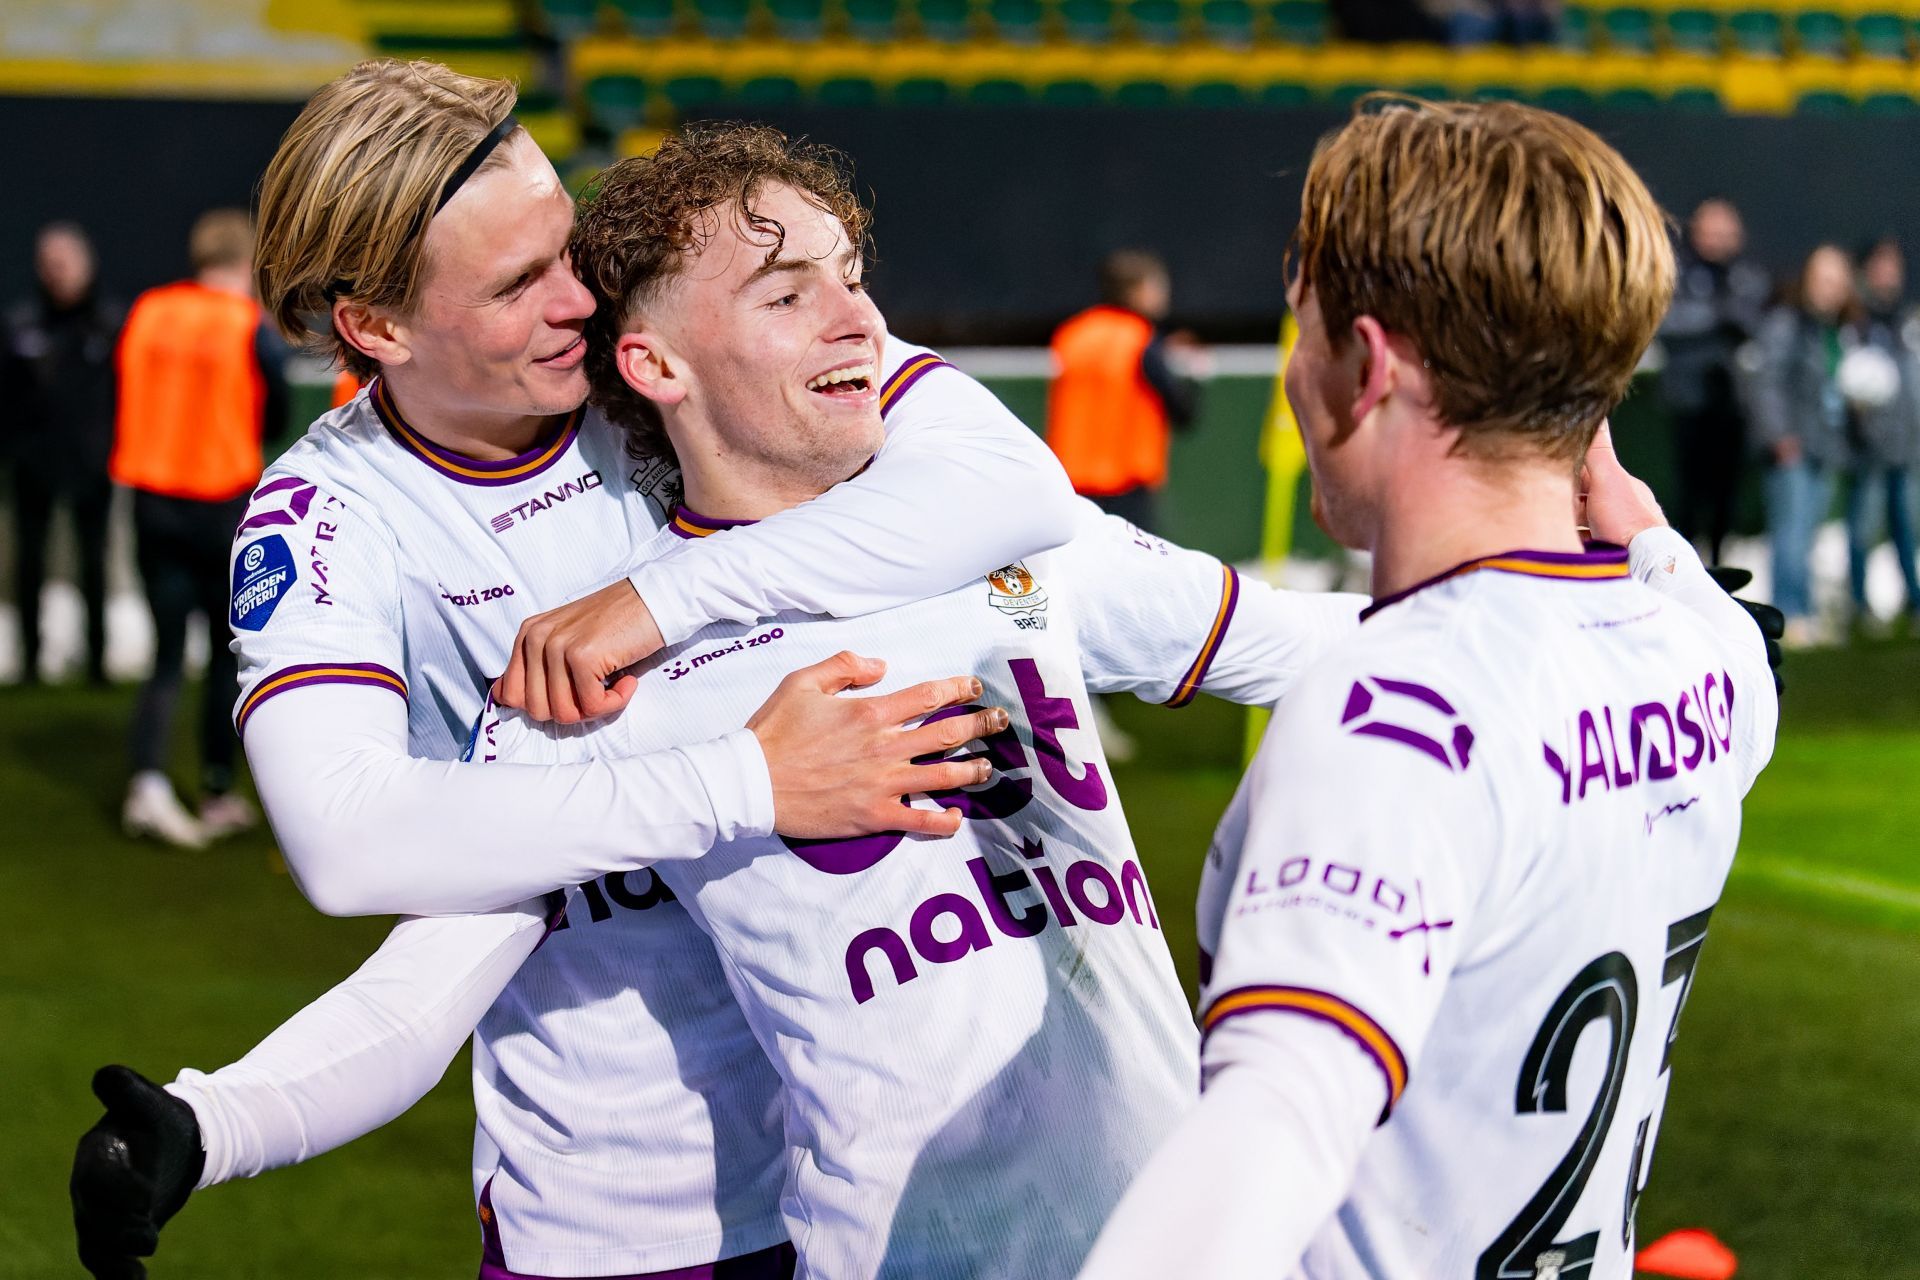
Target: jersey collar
{"type": "Point", "coordinates": [1601, 561]}
{"type": "Point", "coordinates": [691, 524]}
{"type": "Point", "coordinates": [456, 466]}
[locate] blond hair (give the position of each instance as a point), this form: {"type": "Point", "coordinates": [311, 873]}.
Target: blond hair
{"type": "Point", "coordinates": [220, 238]}
{"type": "Point", "coordinates": [1519, 253]}
{"type": "Point", "coordinates": [345, 202]}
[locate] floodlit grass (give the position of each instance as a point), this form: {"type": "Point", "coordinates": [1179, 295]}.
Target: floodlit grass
{"type": "Point", "coordinates": [1793, 1133]}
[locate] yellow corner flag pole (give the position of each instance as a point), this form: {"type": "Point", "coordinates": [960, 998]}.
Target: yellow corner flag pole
{"type": "Point", "coordinates": [1284, 458]}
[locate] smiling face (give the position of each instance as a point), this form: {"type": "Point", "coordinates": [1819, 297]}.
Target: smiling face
{"type": "Point", "coordinates": [764, 351]}
{"type": "Point", "coordinates": [497, 328]}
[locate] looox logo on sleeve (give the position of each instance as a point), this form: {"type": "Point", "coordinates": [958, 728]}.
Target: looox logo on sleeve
{"type": "Point", "coordinates": [535, 505]}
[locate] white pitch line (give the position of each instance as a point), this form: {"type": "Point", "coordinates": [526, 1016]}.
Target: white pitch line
{"type": "Point", "coordinates": [1836, 883]}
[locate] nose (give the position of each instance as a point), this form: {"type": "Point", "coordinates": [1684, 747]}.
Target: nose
{"type": "Point", "coordinates": [571, 300]}
{"type": "Point", "coordinates": [856, 319]}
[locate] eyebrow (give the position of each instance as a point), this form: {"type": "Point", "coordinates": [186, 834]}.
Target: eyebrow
{"type": "Point", "coordinates": [504, 281]}
{"type": "Point", "coordinates": [789, 266]}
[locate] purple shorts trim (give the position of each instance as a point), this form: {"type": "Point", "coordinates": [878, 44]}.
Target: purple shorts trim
{"type": "Point", "coordinates": [776, 1263]}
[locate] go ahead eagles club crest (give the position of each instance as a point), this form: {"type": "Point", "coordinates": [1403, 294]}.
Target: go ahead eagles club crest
{"type": "Point", "coordinates": [1014, 592]}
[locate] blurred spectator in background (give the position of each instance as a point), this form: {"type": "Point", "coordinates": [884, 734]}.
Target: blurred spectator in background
{"type": "Point", "coordinates": [1719, 299]}
{"type": "Point", "coordinates": [1116, 391]}
{"type": "Point", "coordinates": [56, 407]}
{"type": "Point", "coordinates": [202, 378]}
{"type": "Point", "coordinates": [1801, 416]}
{"type": "Point", "coordinates": [1882, 384]}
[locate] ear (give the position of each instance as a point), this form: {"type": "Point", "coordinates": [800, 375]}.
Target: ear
{"type": "Point", "coordinates": [650, 367]}
{"type": "Point", "coordinates": [1377, 378]}
{"type": "Point", "coordinates": [373, 332]}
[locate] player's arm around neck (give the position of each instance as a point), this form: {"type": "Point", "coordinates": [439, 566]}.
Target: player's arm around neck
{"type": "Point", "coordinates": [960, 488]}
{"type": "Point", "coordinates": [1621, 509]}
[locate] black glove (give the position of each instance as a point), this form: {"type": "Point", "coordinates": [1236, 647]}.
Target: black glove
{"type": "Point", "coordinates": [132, 1172]}
{"type": "Point", "coordinates": [1772, 622]}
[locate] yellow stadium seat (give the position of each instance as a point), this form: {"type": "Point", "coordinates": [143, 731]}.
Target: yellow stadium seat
{"type": "Point", "coordinates": [1817, 85]}
{"type": "Point", "coordinates": [1688, 80]}
{"type": "Point", "coordinates": [455, 19]}
{"type": "Point", "coordinates": [1423, 70]}
{"type": "Point", "coordinates": [1488, 71]}
{"type": "Point", "coordinates": [1623, 80]}
{"type": "Point", "coordinates": [1756, 86]}
{"type": "Point", "coordinates": [1342, 72]}
{"type": "Point", "coordinates": [1277, 74]}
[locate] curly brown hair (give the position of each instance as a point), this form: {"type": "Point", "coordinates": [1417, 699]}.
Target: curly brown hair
{"type": "Point", "coordinates": [640, 222]}
{"type": "Point", "coordinates": [1520, 253]}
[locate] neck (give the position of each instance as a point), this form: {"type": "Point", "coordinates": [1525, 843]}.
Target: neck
{"type": "Point", "coordinates": [1461, 510]}
{"type": "Point", "coordinates": [733, 489]}
{"type": "Point", "coordinates": [478, 434]}
{"type": "Point", "coordinates": [236, 280]}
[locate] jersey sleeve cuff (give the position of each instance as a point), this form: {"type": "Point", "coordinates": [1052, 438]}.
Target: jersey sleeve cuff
{"type": "Point", "coordinates": [738, 784]}
{"type": "Point", "coordinates": [1196, 674]}
{"type": "Point", "coordinates": [1322, 1006]}
{"type": "Point", "coordinates": [672, 611]}
{"type": "Point", "coordinates": [1661, 557]}
{"type": "Point", "coordinates": [306, 674]}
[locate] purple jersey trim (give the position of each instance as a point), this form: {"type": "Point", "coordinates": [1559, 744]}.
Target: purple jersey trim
{"type": "Point", "coordinates": [691, 524]}
{"type": "Point", "coordinates": [312, 673]}
{"type": "Point", "coordinates": [776, 1263]}
{"type": "Point", "coordinates": [467, 470]}
{"type": "Point", "coordinates": [905, 376]}
{"type": "Point", "coordinates": [1600, 562]}
{"type": "Point", "coordinates": [1323, 1006]}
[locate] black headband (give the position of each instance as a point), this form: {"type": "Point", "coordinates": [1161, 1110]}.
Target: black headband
{"type": "Point", "coordinates": [476, 158]}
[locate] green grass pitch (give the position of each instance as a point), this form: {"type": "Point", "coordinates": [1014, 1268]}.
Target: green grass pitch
{"type": "Point", "coordinates": [1793, 1131]}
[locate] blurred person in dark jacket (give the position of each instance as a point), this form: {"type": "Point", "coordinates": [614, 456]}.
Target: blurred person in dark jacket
{"type": "Point", "coordinates": [56, 410]}
{"type": "Point", "coordinates": [202, 382]}
{"type": "Point", "coordinates": [1117, 394]}
{"type": "Point", "coordinates": [1719, 299]}
{"type": "Point", "coordinates": [1882, 384]}
{"type": "Point", "coordinates": [1803, 421]}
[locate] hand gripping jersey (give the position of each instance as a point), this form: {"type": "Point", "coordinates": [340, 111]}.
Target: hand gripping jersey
{"type": "Point", "coordinates": [370, 557]}
{"type": "Point", "coordinates": [1485, 841]}
{"type": "Point", "coordinates": [981, 1037]}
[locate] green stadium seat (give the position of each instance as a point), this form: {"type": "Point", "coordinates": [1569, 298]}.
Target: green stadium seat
{"type": "Point", "coordinates": [1693, 30]}
{"type": "Point", "coordinates": [1071, 93]}
{"type": "Point", "coordinates": [922, 91]}
{"type": "Point", "coordinates": [1302, 22]}
{"type": "Point", "coordinates": [798, 19]}
{"type": "Point", "coordinates": [875, 21]}
{"type": "Point", "coordinates": [847, 91]}
{"type": "Point", "coordinates": [1017, 21]}
{"type": "Point", "coordinates": [946, 20]}
{"type": "Point", "coordinates": [1757, 33]}
{"type": "Point", "coordinates": [1823, 102]}
{"type": "Point", "coordinates": [1630, 98]}
{"type": "Point", "coordinates": [686, 92]}
{"type": "Point", "coordinates": [569, 19]}
{"type": "Point", "coordinates": [1157, 21]}
{"type": "Point", "coordinates": [1087, 21]}
{"type": "Point", "coordinates": [1820, 33]}
{"type": "Point", "coordinates": [998, 91]}
{"type": "Point", "coordinates": [1564, 97]}
{"type": "Point", "coordinates": [1151, 94]}
{"type": "Point", "coordinates": [1216, 93]}
{"type": "Point", "coordinates": [1575, 30]}
{"type": "Point", "coordinates": [768, 91]}
{"type": "Point", "coordinates": [1227, 22]}
{"type": "Point", "coordinates": [722, 19]}
{"type": "Point", "coordinates": [1696, 98]}
{"type": "Point", "coordinates": [1881, 35]}
{"type": "Point", "coordinates": [1889, 104]}
{"type": "Point", "coordinates": [616, 102]}
{"type": "Point", "coordinates": [1285, 94]}
{"type": "Point", "coordinates": [1628, 28]}
{"type": "Point", "coordinates": [650, 19]}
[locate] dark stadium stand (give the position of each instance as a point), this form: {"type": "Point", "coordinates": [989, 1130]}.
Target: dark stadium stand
{"type": "Point", "coordinates": [619, 70]}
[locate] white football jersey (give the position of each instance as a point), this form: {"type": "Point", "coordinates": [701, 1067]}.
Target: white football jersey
{"type": "Point", "coordinates": [627, 1123]}
{"type": "Point", "coordinates": [982, 1038]}
{"type": "Point", "coordinates": [1485, 841]}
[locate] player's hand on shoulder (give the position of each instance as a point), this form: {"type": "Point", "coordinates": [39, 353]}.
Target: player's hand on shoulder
{"type": "Point", "coordinates": [563, 659]}
{"type": "Point", "coordinates": [1615, 505]}
{"type": "Point", "coordinates": [840, 765]}
{"type": "Point", "coordinates": [132, 1172]}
